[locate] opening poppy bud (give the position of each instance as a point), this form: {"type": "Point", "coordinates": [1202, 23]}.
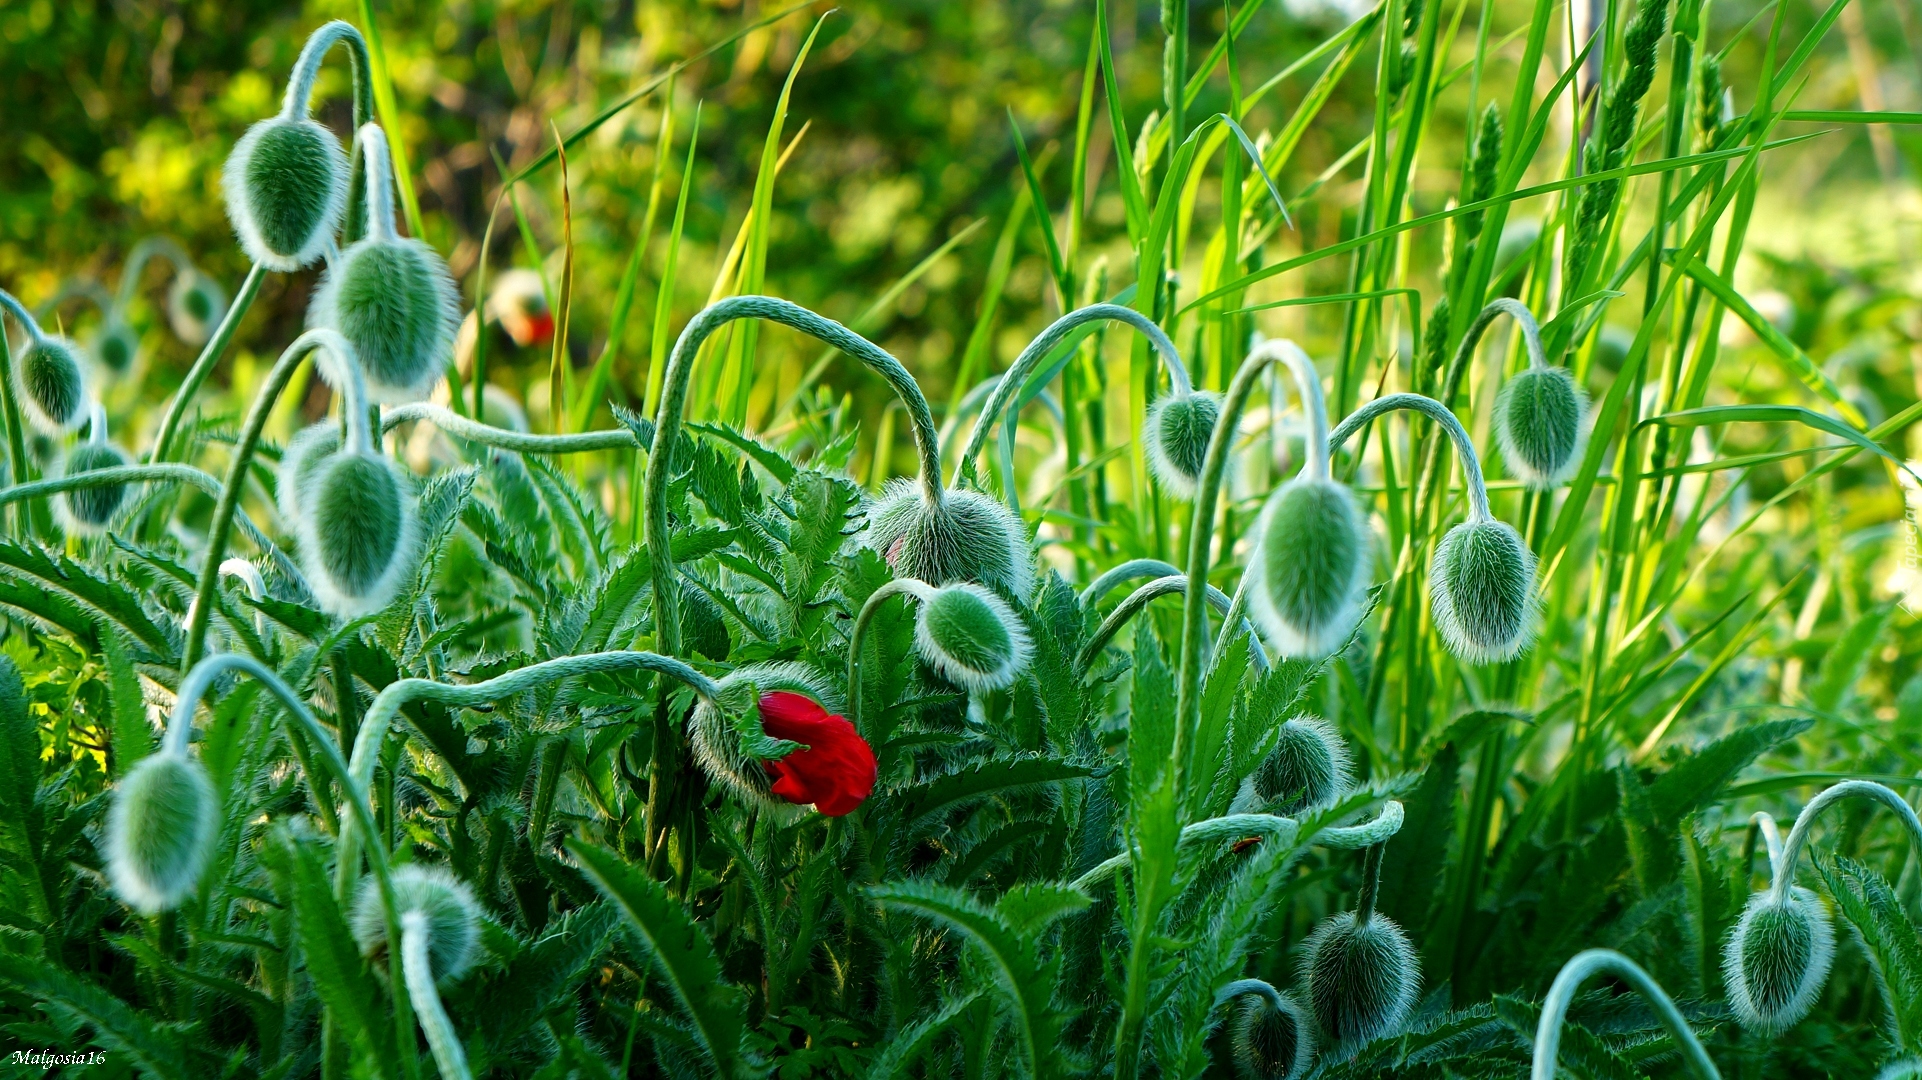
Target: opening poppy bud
{"type": "Point", "coordinates": [1270, 1038]}
{"type": "Point", "coordinates": [52, 384]}
{"type": "Point", "coordinates": [1306, 770]}
{"type": "Point", "coordinates": [1483, 584]}
{"type": "Point", "coordinates": [391, 296]}
{"type": "Point", "coordinates": [357, 535]}
{"type": "Point", "coordinates": [93, 508]}
{"type": "Point", "coordinates": [832, 769]}
{"type": "Point", "coordinates": [1777, 959]}
{"type": "Point", "coordinates": [969, 536]}
{"type": "Point", "coordinates": [1361, 977]}
{"type": "Point", "coordinates": [117, 347]}
{"type": "Point", "coordinates": [306, 451]}
{"type": "Point", "coordinates": [160, 831]}
{"type": "Point", "coordinates": [195, 305]}
{"type": "Point", "coordinates": [971, 637]}
{"type": "Point", "coordinates": [1178, 429]}
{"type": "Point", "coordinates": [1308, 574]}
{"type": "Point", "coordinates": [1538, 426]}
{"type": "Point", "coordinates": [453, 917]}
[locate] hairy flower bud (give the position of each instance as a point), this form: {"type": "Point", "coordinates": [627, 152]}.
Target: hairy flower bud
{"type": "Point", "coordinates": [453, 917]}
{"type": "Point", "coordinates": [391, 296]}
{"type": "Point", "coordinates": [286, 187]}
{"type": "Point", "coordinates": [195, 305]}
{"type": "Point", "coordinates": [971, 637]}
{"type": "Point", "coordinates": [1361, 977]}
{"type": "Point", "coordinates": [834, 771]}
{"type": "Point", "coordinates": [117, 346]}
{"type": "Point", "coordinates": [1177, 433]}
{"type": "Point", "coordinates": [1483, 581]}
{"type": "Point", "coordinates": [160, 831]}
{"type": "Point", "coordinates": [1306, 770]}
{"type": "Point", "coordinates": [1308, 572]}
{"type": "Point", "coordinates": [1270, 1039]}
{"type": "Point", "coordinates": [94, 507]}
{"type": "Point", "coordinates": [1777, 958]}
{"type": "Point", "coordinates": [968, 537]}
{"type": "Point", "coordinates": [306, 451]}
{"type": "Point", "coordinates": [1538, 426]}
{"type": "Point", "coordinates": [357, 531]}
{"type": "Point", "coordinates": [51, 383]}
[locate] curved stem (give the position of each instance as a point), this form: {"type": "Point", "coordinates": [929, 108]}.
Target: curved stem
{"type": "Point", "coordinates": [1471, 462]}
{"type": "Point", "coordinates": [1262, 987]}
{"type": "Point", "coordinates": [1458, 364]}
{"type": "Point", "coordinates": [164, 246]}
{"type": "Point", "coordinates": [230, 490]}
{"type": "Point", "coordinates": [1137, 601]}
{"type": "Point", "coordinates": [256, 586]}
{"type": "Point", "coordinates": [857, 637]}
{"type": "Point", "coordinates": [667, 425]}
{"type": "Point", "coordinates": [204, 364]}
{"type": "Point", "coordinates": [22, 316]}
{"type": "Point", "coordinates": [1805, 821]}
{"type": "Point", "coordinates": [91, 291]}
{"type": "Point", "coordinates": [1764, 823]}
{"type": "Point", "coordinates": [1127, 571]}
{"type": "Point", "coordinates": [1226, 827]}
{"type": "Point", "coordinates": [449, 1055]}
{"type": "Point", "coordinates": [461, 427]}
{"type": "Point", "coordinates": [134, 474]}
{"type": "Point", "coordinates": [1368, 834]}
{"type": "Point", "coordinates": [1586, 965]}
{"type": "Point", "coordinates": [1018, 372]}
{"type": "Point", "coordinates": [371, 141]}
{"type": "Point", "coordinates": [1308, 388]}
{"type": "Point", "coordinates": [300, 84]}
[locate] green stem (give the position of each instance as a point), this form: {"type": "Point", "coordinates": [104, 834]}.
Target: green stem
{"type": "Point", "coordinates": [911, 587]}
{"type": "Point", "coordinates": [204, 364]}
{"type": "Point", "coordinates": [449, 1056]}
{"type": "Point", "coordinates": [1799, 835]}
{"type": "Point", "coordinates": [1592, 962]}
{"type": "Point", "coordinates": [1464, 448]}
{"type": "Point", "coordinates": [236, 482]}
{"type": "Point", "coordinates": [164, 246]}
{"type": "Point", "coordinates": [461, 427]}
{"type": "Point", "coordinates": [1175, 584]}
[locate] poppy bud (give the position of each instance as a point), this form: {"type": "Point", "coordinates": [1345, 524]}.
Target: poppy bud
{"type": "Point", "coordinates": [453, 917]}
{"type": "Point", "coordinates": [305, 452]}
{"type": "Point", "coordinates": [357, 532]}
{"type": "Point", "coordinates": [971, 637]}
{"type": "Point", "coordinates": [1538, 426]}
{"type": "Point", "coordinates": [1361, 977]}
{"type": "Point", "coordinates": [195, 305]}
{"type": "Point", "coordinates": [1270, 1038]}
{"type": "Point", "coordinates": [1178, 430]}
{"type": "Point", "coordinates": [160, 831]}
{"type": "Point", "coordinates": [968, 536]}
{"type": "Point", "coordinates": [1306, 770]}
{"type": "Point", "coordinates": [391, 296]}
{"type": "Point", "coordinates": [1483, 584]}
{"type": "Point", "coordinates": [286, 180]}
{"type": "Point", "coordinates": [1777, 959]}
{"type": "Point", "coordinates": [1308, 573]}
{"type": "Point", "coordinates": [117, 346]}
{"type": "Point", "coordinates": [833, 771]}
{"type": "Point", "coordinates": [51, 381]}
{"type": "Point", "coordinates": [93, 508]}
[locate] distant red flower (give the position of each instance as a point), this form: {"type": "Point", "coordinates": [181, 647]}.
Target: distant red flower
{"type": "Point", "coordinates": [836, 771]}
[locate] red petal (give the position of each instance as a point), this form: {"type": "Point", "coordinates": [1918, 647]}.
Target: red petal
{"type": "Point", "coordinates": [836, 771]}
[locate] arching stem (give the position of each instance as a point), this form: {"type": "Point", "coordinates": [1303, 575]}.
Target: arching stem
{"type": "Point", "coordinates": [1586, 965]}
{"type": "Point", "coordinates": [1764, 823]}
{"type": "Point", "coordinates": [1138, 601]}
{"type": "Point", "coordinates": [243, 454]}
{"type": "Point", "coordinates": [1308, 388]}
{"type": "Point", "coordinates": [164, 246]}
{"type": "Point", "coordinates": [24, 317]}
{"type": "Point", "coordinates": [299, 99]}
{"type": "Point", "coordinates": [1127, 571]}
{"type": "Point", "coordinates": [371, 141]}
{"type": "Point", "coordinates": [460, 427]}
{"type": "Point", "coordinates": [1471, 462]}
{"type": "Point", "coordinates": [914, 588]}
{"type": "Point", "coordinates": [1805, 821]}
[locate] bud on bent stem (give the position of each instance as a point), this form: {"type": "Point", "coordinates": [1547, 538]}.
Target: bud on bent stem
{"type": "Point", "coordinates": [50, 379]}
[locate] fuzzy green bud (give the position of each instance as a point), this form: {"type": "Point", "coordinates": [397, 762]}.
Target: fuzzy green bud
{"type": "Point", "coordinates": [300, 462]}
{"type": "Point", "coordinates": [1270, 1038]}
{"type": "Point", "coordinates": [160, 831]}
{"type": "Point", "coordinates": [1777, 958]}
{"type": "Point", "coordinates": [51, 383]}
{"type": "Point", "coordinates": [286, 187]}
{"type": "Point", "coordinates": [1483, 584]}
{"type": "Point", "coordinates": [1309, 568]}
{"type": "Point", "coordinates": [94, 507]}
{"type": "Point", "coordinates": [357, 531]}
{"type": "Point", "coordinates": [1539, 426]}
{"type": "Point", "coordinates": [968, 536]}
{"type": "Point", "coordinates": [117, 346]}
{"type": "Point", "coordinates": [453, 917]}
{"type": "Point", "coordinates": [1178, 429]}
{"type": "Point", "coordinates": [1306, 770]}
{"type": "Point", "coordinates": [971, 637]}
{"type": "Point", "coordinates": [195, 305]}
{"type": "Point", "coordinates": [1361, 977]}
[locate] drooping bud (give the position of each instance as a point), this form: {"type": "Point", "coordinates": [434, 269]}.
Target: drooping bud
{"type": "Point", "coordinates": [1306, 770]}
{"type": "Point", "coordinates": [195, 305]}
{"type": "Point", "coordinates": [1483, 583]}
{"type": "Point", "coordinates": [305, 453]}
{"type": "Point", "coordinates": [453, 917]}
{"type": "Point", "coordinates": [834, 768]}
{"type": "Point", "coordinates": [971, 637]}
{"type": "Point", "coordinates": [94, 508]}
{"type": "Point", "coordinates": [968, 536]}
{"type": "Point", "coordinates": [1271, 1038]}
{"type": "Point", "coordinates": [1538, 426]}
{"type": "Point", "coordinates": [51, 383]}
{"type": "Point", "coordinates": [1361, 977]}
{"type": "Point", "coordinates": [1308, 572]}
{"type": "Point", "coordinates": [286, 187]}
{"type": "Point", "coordinates": [357, 530]}
{"type": "Point", "coordinates": [391, 296]}
{"type": "Point", "coordinates": [1178, 429]}
{"type": "Point", "coordinates": [1777, 958]}
{"type": "Point", "coordinates": [117, 346]}
{"type": "Point", "coordinates": [160, 831]}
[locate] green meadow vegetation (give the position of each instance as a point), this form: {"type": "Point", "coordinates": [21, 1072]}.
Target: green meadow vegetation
{"type": "Point", "coordinates": [1021, 538]}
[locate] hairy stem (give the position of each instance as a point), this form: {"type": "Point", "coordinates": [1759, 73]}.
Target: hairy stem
{"type": "Point", "coordinates": [449, 1055]}
{"type": "Point", "coordinates": [1175, 584]}
{"type": "Point", "coordinates": [1586, 965]}
{"type": "Point", "coordinates": [1471, 462]}
{"type": "Point", "coordinates": [857, 638]}
{"type": "Point", "coordinates": [204, 364]}
{"type": "Point", "coordinates": [1805, 821]}
{"type": "Point", "coordinates": [461, 427]}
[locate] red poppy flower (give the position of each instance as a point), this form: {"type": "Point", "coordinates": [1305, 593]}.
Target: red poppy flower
{"type": "Point", "coordinates": [836, 771]}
